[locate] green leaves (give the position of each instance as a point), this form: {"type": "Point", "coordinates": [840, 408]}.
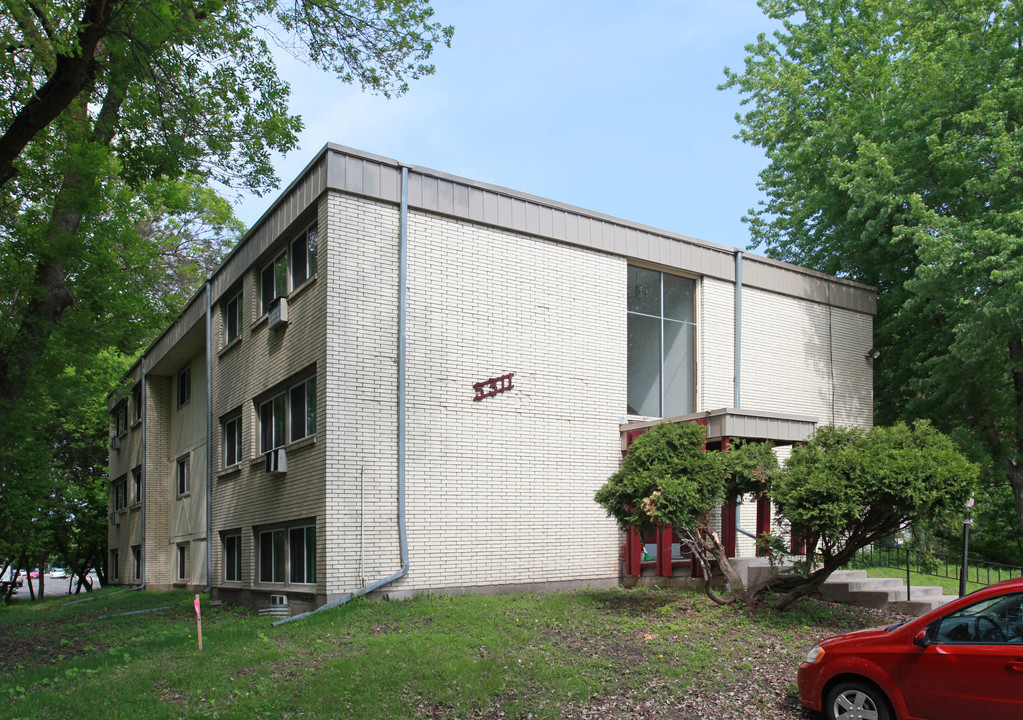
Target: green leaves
{"type": "Point", "coordinates": [848, 487]}
{"type": "Point", "coordinates": [667, 477]}
{"type": "Point", "coordinates": [894, 135]}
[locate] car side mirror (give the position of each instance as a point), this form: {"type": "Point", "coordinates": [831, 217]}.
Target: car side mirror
{"type": "Point", "coordinates": [921, 638]}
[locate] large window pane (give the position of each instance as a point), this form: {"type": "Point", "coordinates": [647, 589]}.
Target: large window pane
{"type": "Point", "coordinates": [678, 368]}
{"type": "Point", "coordinates": [678, 298]}
{"type": "Point", "coordinates": [644, 291]}
{"type": "Point", "coordinates": [644, 366]}
{"type": "Point", "coordinates": [266, 557]}
{"type": "Point", "coordinates": [661, 336]}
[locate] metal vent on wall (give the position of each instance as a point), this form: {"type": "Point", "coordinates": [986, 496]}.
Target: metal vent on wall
{"type": "Point", "coordinates": [278, 314]}
{"type": "Point", "coordinates": [276, 461]}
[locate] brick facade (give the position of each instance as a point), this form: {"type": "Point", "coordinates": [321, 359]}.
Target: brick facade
{"type": "Point", "coordinates": [499, 491]}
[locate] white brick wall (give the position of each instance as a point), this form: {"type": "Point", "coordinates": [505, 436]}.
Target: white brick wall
{"type": "Point", "coordinates": [789, 365]}
{"type": "Point", "coordinates": [715, 345]}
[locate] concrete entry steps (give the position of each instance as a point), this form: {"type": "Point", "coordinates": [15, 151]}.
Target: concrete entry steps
{"type": "Point", "coordinates": [853, 587]}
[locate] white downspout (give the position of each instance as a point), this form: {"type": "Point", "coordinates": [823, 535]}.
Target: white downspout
{"type": "Point", "coordinates": [402, 321]}
{"type": "Point", "coordinates": [209, 444]}
{"type": "Point", "coordinates": [737, 378]}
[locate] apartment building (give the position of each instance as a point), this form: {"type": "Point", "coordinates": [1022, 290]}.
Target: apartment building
{"type": "Point", "coordinates": [405, 381]}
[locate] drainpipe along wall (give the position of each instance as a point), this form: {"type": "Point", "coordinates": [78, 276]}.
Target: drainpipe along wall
{"type": "Point", "coordinates": [737, 377]}
{"type": "Point", "coordinates": [209, 444]}
{"type": "Point", "coordinates": [400, 360]}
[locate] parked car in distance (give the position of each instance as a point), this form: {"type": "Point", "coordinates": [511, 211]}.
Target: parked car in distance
{"type": "Point", "coordinates": [34, 574]}
{"type": "Point", "coordinates": [58, 573]}
{"type": "Point", "coordinates": [962, 660]}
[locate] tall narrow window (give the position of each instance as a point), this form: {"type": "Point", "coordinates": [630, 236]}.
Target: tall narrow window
{"type": "Point", "coordinates": [302, 554]}
{"type": "Point", "coordinates": [115, 566]}
{"type": "Point", "coordinates": [273, 282]}
{"type": "Point", "coordinates": [136, 481]}
{"type": "Point", "coordinates": [662, 341]}
{"type": "Point", "coordinates": [232, 558]}
{"type": "Point", "coordinates": [136, 560]}
{"type": "Point", "coordinates": [303, 409]}
{"type": "Point", "coordinates": [271, 423]}
{"type": "Point", "coordinates": [271, 556]}
{"type": "Point", "coordinates": [233, 319]}
{"type": "Point", "coordinates": [136, 404]}
{"type": "Point", "coordinates": [184, 386]}
{"type": "Point", "coordinates": [232, 441]}
{"type": "Point", "coordinates": [182, 562]}
{"type": "Point", "coordinates": [120, 419]}
{"type": "Point", "coordinates": [303, 256]}
{"type": "Point", "coordinates": [184, 480]}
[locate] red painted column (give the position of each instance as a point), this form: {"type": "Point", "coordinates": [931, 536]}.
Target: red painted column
{"type": "Point", "coordinates": [664, 551]}
{"type": "Point", "coordinates": [728, 529]}
{"type": "Point", "coordinates": [633, 552]}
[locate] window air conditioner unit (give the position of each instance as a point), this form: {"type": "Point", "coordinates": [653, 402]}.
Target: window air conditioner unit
{"type": "Point", "coordinates": [115, 443]}
{"type": "Point", "coordinates": [278, 599]}
{"type": "Point", "coordinates": [276, 461]}
{"type": "Point", "coordinates": [115, 519]}
{"type": "Point", "coordinates": [278, 314]}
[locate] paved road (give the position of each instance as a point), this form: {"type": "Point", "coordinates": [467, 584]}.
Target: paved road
{"type": "Point", "coordinates": [53, 587]}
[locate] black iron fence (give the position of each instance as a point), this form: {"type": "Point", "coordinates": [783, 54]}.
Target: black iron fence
{"type": "Point", "coordinates": [911, 559]}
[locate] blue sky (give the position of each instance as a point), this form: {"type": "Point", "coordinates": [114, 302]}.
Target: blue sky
{"type": "Point", "coordinates": [608, 105]}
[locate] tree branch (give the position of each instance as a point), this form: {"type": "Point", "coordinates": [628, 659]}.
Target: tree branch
{"type": "Point", "coordinates": [71, 74]}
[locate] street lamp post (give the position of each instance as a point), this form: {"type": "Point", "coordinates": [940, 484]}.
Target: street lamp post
{"type": "Point", "coordinates": [966, 547]}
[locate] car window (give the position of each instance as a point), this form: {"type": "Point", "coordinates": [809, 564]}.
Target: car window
{"type": "Point", "coordinates": [994, 620]}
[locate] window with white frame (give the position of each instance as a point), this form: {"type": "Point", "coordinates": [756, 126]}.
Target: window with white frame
{"type": "Point", "coordinates": [272, 422]}
{"type": "Point", "coordinates": [273, 282]}
{"type": "Point", "coordinates": [662, 343]}
{"type": "Point", "coordinates": [119, 493]}
{"type": "Point", "coordinates": [182, 563]}
{"type": "Point", "coordinates": [182, 474]}
{"type": "Point", "coordinates": [302, 554]}
{"type": "Point", "coordinates": [302, 409]}
{"type": "Point", "coordinates": [136, 560]}
{"type": "Point", "coordinates": [288, 553]}
{"type": "Point", "coordinates": [136, 482]}
{"type": "Point", "coordinates": [136, 404]}
{"type": "Point", "coordinates": [288, 416]}
{"type": "Point", "coordinates": [303, 256]}
{"type": "Point", "coordinates": [233, 557]}
{"type": "Point", "coordinates": [233, 319]}
{"type": "Point", "coordinates": [233, 440]}
{"type": "Point", "coordinates": [184, 385]}
{"type": "Point", "coordinates": [121, 418]}
{"type": "Point", "coordinates": [289, 269]}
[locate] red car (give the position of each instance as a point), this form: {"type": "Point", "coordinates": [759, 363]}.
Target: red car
{"type": "Point", "coordinates": [963, 660]}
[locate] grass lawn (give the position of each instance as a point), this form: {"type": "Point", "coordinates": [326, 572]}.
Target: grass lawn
{"type": "Point", "coordinates": [659, 653]}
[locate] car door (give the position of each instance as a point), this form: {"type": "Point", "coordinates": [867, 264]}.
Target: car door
{"type": "Point", "coordinates": [972, 665]}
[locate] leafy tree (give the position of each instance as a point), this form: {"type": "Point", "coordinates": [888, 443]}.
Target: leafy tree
{"type": "Point", "coordinates": [669, 478]}
{"type": "Point", "coordinates": [893, 135]}
{"type": "Point", "coordinates": [105, 100]}
{"type": "Point", "coordinates": [846, 488]}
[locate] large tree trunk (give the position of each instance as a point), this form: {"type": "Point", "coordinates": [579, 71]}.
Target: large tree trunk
{"type": "Point", "coordinates": [50, 295]}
